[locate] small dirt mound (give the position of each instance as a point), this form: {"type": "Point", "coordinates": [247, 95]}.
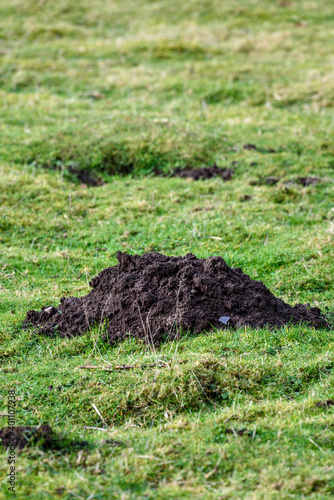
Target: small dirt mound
{"type": "Point", "coordinates": [325, 404]}
{"type": "Point", "coordinates": [155, 297]}
{"type": "Point", "coordinates": [204, 173]}
{"type": "Point", "coordinates": [308, 181]}
{"type": "Point", "coordinates": [86, 177]}
{"type": "Point", "coordinates": [20, 437]}
{"type": "Point", "coordinates": [43, 436]}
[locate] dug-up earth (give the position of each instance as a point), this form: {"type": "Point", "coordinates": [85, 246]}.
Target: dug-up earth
{"type": "Point", "coordinates": [204, 173]}
{"type": "Point", "coordinates": [155, 298]}
{"type": "Point", "coordinates": [44, 436]}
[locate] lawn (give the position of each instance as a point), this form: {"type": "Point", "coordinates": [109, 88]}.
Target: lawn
{"type": "Point", "coordinates": [126, 92]}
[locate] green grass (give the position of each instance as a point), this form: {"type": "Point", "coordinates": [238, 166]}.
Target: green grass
{"type": "Point", "coordinates": [233, 414]}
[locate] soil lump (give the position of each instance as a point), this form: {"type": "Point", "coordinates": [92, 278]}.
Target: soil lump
{"type": "Point", "coordinates": [308, 181]}
{"type": "Point", "coordinates": [44, 436]}
{"type": "Point", "coordinates": [86, 177]}
{"type": "Point", "coordinates": [155, 298]}
{"type": "Point", "coordinates": [204, 173]}
{"type": "Point", "coordinates": [23, 436]}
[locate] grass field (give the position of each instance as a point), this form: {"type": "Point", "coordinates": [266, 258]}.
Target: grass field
{"type": "Point", "coordinates": [125, 89]}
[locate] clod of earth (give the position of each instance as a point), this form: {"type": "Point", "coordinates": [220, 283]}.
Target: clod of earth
{"type": "Point", "coordinates": [155, 298]}
{"type": "Point", "coordinates": [204, 173]}
{"type": "Point", "coordinates": [308, 181]}
{"type": "Point", "coordinates": [43, 436]}
{"type": "Point", "coordinates": [86, 177]}
{"type": "Point", "coordinates": [325, 404]}
{"type": "Point", "coordinates": [245, 197]}
{"type": "Point", "coordinates": [252, 147]}
{"type": "Point", "coordinates": [271, 181]}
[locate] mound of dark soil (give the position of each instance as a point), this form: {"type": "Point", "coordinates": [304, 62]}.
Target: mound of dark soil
{"type": "Point", "coordinates": [44, 436]}
{"type": "Point", "coordinates": [269, 181]}
{"type": "Point", "coordinates": [308, 181]}
{"type": "Point", "coordinates": [86, 177]}
{"type": "Point", "coordinates": [325, 404]}
{"type": "Point", "coordinates": [204, 173]}
{"type": "Point", "coordinates": [19, 437]}
{"type": "Point", "coordinates": [252, 147]}
{"type": "Point", "coordinates": [154, 297]}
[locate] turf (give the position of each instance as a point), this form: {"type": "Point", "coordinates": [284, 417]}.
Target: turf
{"type": "Point", "coordinates": [124, 90]}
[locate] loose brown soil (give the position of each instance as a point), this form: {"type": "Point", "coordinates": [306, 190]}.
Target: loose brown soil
{"type": "Point", "coordinates": [155, 297]}
{"type": "Point", "coordinates": [86, 177]}
{"type": "Point", "coordinates": [250, 147]}
{"type": "Point", "coordinates": [204, 173]}
{"type": "Point", "coordinates": [308, 181]}
{"type": "Point", "coordinates": [43, 436]}
{"type": "Point", "coordinates": [271, 181]}
{"type": "Point", "coordinates": [325, 404]}
{"type": "Point", "coordinates": [266, 181]}
{"type": "Point", "coordinates": [245, 197]}
{"type": "Point", "coordinates": [20, 437]}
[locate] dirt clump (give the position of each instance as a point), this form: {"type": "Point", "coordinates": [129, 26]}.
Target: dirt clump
{"type": "Point", "coordinates": [265, 181]}
{"type": "Point", "coordinates": [204, 173]}
{"type": "Point", "coordinates": [308, 181]}
{"type": "Point", "coordinates": [271, 181]}
{"type": "Point", "coordinates": [250, 147]}
{"type": "Point", "coordinates": [86, 177]}
{"type": "Point", "coordinates": [245, 197]}
{"type": "Point", "coordinates": [20, 437]}
{"type": "Point", "coordinates": [155, 298]}
{"type": "Point", "coordinates": [325, 404]}
{"type": "Point", "coordinates": [44, 436]}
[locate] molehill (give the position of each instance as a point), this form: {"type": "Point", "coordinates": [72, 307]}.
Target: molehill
{"type": "Point", "coordinates": [155, 298]}
{"type": "Point", "coordinates": [203, 173]}
{"type": "Point", "coordinates": [44, 436]}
